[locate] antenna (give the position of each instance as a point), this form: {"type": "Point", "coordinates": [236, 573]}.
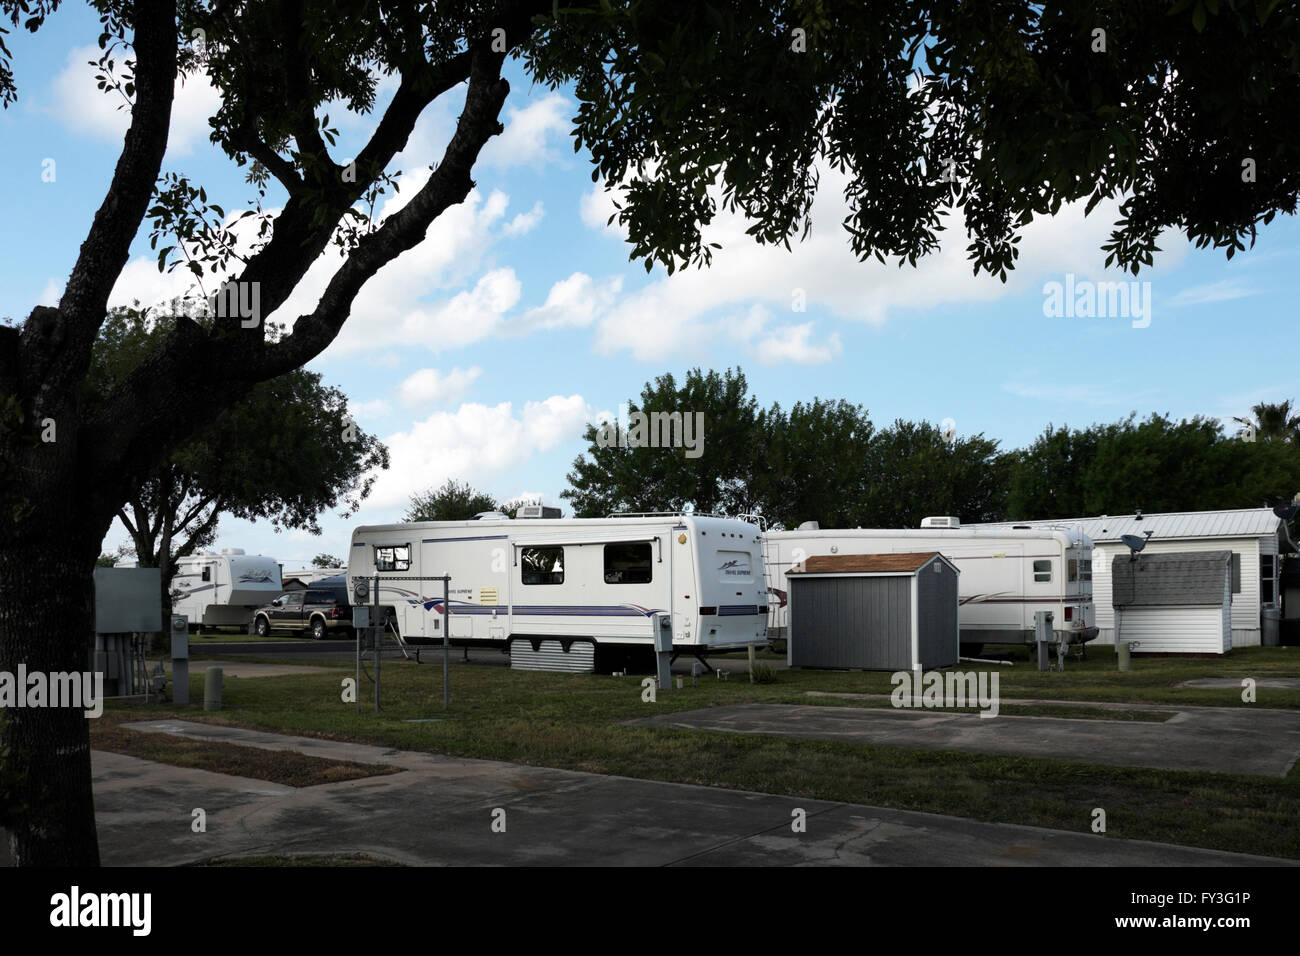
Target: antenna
{"type": "Point", "coordinates": [1134, 544]}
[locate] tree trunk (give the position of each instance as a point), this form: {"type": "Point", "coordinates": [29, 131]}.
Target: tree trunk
{"type": "Point", "coordinates": [47, 624]}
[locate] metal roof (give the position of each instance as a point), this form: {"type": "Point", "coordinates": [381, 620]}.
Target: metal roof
{"type": "Point", "coordinates": [1239, 523]}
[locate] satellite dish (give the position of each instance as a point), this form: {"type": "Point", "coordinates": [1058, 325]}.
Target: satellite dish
{"type": "Point", "coordinates": [1133, 542]}
{"type": "Point", "coordinates": [1285, 512]}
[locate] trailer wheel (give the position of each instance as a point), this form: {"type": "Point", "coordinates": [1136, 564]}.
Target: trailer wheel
{"type": "Point", "coordinates": [263, 626]}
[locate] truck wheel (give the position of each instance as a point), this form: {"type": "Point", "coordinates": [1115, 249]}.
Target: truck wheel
{"type": "Point", "coordinates": [263, 627]}
{"type": "Point", "coordinates": [318, 631]}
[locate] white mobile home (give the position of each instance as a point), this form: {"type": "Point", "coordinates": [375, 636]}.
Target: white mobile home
{"type": "Point", "coordinates": [223, 590]}
{"type": "Point", "coordinates": [1006, 576]}
{"type": "Point", "coordinates": [556, 587]}
{"type": "Point", "coordinates": [1255, 536]}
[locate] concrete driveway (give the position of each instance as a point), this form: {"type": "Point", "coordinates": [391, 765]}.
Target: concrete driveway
{"type": "Point", "coordinates": [1221, 739]}
{"type": "Point", "coordinates": [440, 811]}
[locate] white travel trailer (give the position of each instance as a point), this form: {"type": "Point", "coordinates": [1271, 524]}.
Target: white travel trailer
{"type": "Point", "coordinates": [552, 590]}
{"type": "Point", "coordinates": [1006, 575]}
{"type": "Point", "coordinates": [223, 590]}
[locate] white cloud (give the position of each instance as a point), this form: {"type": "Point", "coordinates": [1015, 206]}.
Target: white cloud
{"type": "Point", "coordinates": [86, 109]}
{"type": "Point", "coordinates": [595, 208]}
{"type": "Point", "coordinates": [672, 315]}
{"type": "Point", "coordinates": [475, 443]}
{"type": "Point", "coordinates": [429, 386]}
{"type": "Point", "coordinates": [528, 133]}
{"type": "Point", "coordinates": [791, 344]}
{"type": "Point", "coordinates": [400, 305]}
{"type": "Point", "coordinates": [375, 408]}
{"type": "Point", "coordinates": [1222, 291]}
{"type": "Point", "coordinates": [572, 302]}
{"type": "Point", "coordinates": [525, 221]}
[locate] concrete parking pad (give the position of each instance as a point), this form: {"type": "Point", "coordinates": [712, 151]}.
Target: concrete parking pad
{"type": "Point", "coordinates": [439, 811]}
{"type": "Point", "coordinates": [1221, 739]}
{"type": "Point", "coordinates": [1278, 683]}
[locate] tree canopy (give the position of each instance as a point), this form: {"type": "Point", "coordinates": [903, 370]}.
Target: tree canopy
{"type": "Point", "coordinates": [450, 501]}
{"type": "Point", "coordinates": [825, 461]}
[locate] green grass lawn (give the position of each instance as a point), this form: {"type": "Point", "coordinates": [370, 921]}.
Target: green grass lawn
{"type": "Point", "coordinates": [576, 722]}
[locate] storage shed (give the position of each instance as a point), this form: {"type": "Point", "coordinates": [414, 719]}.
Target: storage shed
{"type": "Point", "coordinates": [892, 612]}
{"type": "Point", "coordinates": [1175, 602]}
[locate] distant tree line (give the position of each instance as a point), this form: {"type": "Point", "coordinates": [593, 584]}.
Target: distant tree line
{"type": "Point", "coordinates": [825, 460]}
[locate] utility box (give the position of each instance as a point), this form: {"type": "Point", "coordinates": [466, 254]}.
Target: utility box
{"type": "Point", "coordinates": [874, 612]}
{"type": "Point", "coordinates": [128, 600]}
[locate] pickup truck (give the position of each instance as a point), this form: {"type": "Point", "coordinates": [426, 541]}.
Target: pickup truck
{"type": "Point", "coordinates": [322, 612]}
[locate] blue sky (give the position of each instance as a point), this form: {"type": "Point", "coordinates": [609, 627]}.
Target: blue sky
{"type": "Point", "coordinates": [482, 354]}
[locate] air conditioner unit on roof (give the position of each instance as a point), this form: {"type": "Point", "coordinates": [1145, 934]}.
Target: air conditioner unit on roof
{"type": "Point", "coordinates": [537, 511]}
{"type": "Point", "coordinates": [944, 521]}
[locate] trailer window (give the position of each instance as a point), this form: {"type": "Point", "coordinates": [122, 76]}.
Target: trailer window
{"type": "Point", "coordinates": [207, 574]}
{"type": "Point", "coordinates": [393, 557]}
{"type": "Point", "coordinates": [627, 564]}
{"type": "Point", "coordinates": [1266, 578]}
{"type": "Point", "coordinates": [1074, 569]}
{"type": "Point", "coordinates": [542, 565]}
{"type": "Point", "coordinates": [1042, 570]}
{"type": "Point", "coordinates": [1236, 572]}
{"type": "Point", "coordinates": [1085, 569]}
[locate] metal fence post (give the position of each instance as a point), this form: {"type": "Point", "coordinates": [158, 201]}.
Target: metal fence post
{"type": "Point", "coordinates": [446, 642]}
{"type": "Point", "coordinates": [378, 642]}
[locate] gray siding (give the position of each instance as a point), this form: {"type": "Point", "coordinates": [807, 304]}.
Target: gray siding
{"type": "Point", "coordinates": [851, 622]}
{"type": "Point", "coordinates": [937, 612]}
{"type": "Point", "coordinates": [1177, 578]}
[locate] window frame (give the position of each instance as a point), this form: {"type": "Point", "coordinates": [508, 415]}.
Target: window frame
{"type": "Point", "coordinates": [551, 575]}
{"type": "Point", "coordinates": [393, 565]}
{"type": "Point", "coordinates": [628, 545]}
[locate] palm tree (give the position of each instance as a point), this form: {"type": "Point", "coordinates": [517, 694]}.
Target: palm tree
{"type": "Point", "coordinates": [1273, 422]}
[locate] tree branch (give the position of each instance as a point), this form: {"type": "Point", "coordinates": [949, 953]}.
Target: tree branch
{"type": "Point", "coordinates": [449, 184]}
{"type": "Point", "coordinates": [104, 253]}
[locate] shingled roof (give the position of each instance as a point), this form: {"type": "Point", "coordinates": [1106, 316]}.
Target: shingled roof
{"type": "Point", "coordinates": [864, 563]}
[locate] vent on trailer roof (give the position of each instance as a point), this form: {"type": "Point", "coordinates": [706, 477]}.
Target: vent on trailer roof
{"type": "Point", "coordinates": [944, 521]}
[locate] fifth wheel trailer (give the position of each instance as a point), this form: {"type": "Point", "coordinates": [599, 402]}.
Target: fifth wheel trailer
{"type": "Point", "coordinates": [553, 590]}
{"type": "Point", "coordinates": [223, 590]}
{"type": "Point", "coordinates": [1006, 575]}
